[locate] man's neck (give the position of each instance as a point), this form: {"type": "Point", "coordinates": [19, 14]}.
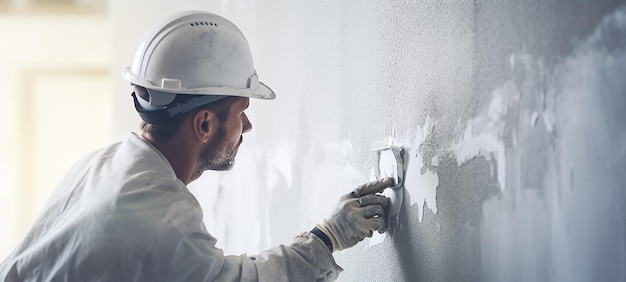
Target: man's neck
{"type": "Point", "coordinates": [179, 154]}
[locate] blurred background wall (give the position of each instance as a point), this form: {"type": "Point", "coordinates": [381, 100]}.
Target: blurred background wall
{"type": "Point", "coordinates": [512, 114]}
{"type": "Point", "coordinates": [56, 90]}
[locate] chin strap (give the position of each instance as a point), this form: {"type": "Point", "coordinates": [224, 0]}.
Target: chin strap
{"type": "Point", "coordinates": [165, 113]}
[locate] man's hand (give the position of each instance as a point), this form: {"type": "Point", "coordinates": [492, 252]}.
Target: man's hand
{"type": "Point", "coordinates": [357, 215]}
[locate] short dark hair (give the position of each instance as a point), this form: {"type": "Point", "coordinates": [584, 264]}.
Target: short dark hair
{"type": "Point", "coordinates": [167, 130]}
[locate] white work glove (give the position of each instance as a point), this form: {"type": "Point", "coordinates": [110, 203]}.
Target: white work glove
{"type": "Point", "coordinates": [357, 215]}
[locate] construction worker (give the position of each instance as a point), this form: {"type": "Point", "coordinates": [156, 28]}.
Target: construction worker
{"type": "Point", "coordinates": [124, 213]}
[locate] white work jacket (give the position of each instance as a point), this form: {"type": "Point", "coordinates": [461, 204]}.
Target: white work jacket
{"type": "Point", "coordinates": [121, 214]}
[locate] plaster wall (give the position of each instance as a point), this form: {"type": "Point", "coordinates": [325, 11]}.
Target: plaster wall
{"type": "Point", "coordinates": [512, 114]}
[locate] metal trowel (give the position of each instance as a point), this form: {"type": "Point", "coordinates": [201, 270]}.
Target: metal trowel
{"type": "Point", "coordinates": [390, 163]}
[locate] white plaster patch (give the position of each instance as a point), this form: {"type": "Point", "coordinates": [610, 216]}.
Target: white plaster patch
{"type": "Point", "coordinates": [421, 186]}
{"type": "Point", "coordinates": [435, 161]}
{"type": "Point", "coordinates": [376, 239]}
{"type": "Point", "coordinates": [420, 182]}
{"type": "Point", "coordinates": [483, 135]}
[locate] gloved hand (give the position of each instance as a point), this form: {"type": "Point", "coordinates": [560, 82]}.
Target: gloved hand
{"type": "Point", "coordinates": [358, 214]}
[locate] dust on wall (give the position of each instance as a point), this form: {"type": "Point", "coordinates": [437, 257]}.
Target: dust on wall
{"type": "Point", "coordinates": [512, 113]}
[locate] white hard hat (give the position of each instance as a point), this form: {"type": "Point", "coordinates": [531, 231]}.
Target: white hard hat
{"type": "Point", "coordinates": [193, 52]}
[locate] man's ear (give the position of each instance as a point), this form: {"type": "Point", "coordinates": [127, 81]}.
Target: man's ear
{"type": "Point", "coordinates": [204, 125]}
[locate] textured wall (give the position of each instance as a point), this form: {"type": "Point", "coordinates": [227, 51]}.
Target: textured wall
{"type": "Point", "coordinates": [512, 113]}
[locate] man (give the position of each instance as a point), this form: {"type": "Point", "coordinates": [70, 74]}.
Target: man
{"type": "Point", "coordinates": [123, 213]}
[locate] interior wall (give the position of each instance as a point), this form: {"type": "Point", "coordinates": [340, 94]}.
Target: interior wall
{"type": "Point", "coordinates": [511, 113]}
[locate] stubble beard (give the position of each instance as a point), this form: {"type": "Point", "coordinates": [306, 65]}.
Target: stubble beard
{"type": "Point", "coordinates": [218, 154]}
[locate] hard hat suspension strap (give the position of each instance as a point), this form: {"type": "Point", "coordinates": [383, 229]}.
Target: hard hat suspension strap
{"type": "Point", "coordinates": [165, 113]}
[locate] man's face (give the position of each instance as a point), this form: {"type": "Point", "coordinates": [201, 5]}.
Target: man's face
{"type": "Point", "coordinates": [220, 152]}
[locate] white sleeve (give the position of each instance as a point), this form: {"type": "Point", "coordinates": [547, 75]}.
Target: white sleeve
{"type": "Point", "coordinates": [194, 257]}
{"type": "Point", "coordinates": [306, 259]}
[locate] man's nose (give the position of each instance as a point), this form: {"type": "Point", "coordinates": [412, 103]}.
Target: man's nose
{"type": "Point", "coordinates": [247, 126]}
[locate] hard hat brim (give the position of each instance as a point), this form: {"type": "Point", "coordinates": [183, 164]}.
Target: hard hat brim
{"type": "Point", "coordinates": [261, 91]}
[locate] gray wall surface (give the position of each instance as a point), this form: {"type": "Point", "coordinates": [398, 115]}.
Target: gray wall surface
{"type": "Point", "coordinates": [513, 114]}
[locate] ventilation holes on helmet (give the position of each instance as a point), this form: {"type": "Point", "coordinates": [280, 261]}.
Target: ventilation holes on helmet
{"type": "Point", "coordinates": [203, 23]}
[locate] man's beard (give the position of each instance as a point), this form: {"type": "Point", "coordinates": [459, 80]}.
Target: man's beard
{"type": "Point", "coordinates": [218, 154]}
